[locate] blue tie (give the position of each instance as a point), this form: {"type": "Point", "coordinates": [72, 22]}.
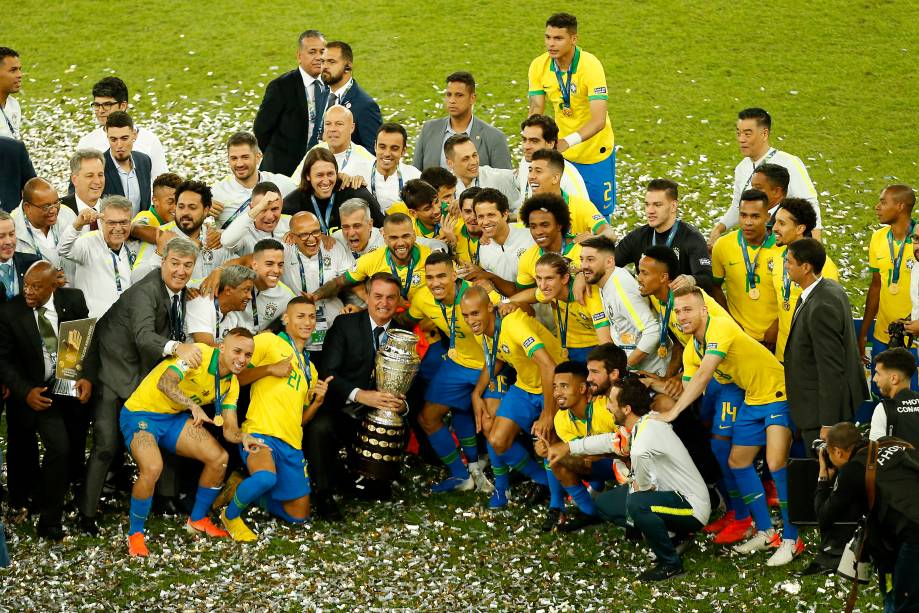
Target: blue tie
{"type": "Point", "coordinates": [9, 279]}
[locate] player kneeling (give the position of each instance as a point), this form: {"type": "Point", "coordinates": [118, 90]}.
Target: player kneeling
{"type": "Point", "coordinates": [286, 392]}
{"type": "Point", "coordinates": [155, 416]}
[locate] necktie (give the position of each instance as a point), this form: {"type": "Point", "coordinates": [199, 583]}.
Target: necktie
{"type": "Point", "coordinates": [48, 336]}
{"type": "Point", "coordinates": [317, 90]}
{"type": "Point", "coordinates": [176, 320]}
{"type": "Point", "coordinates": [9, 279]}
{"type": "Point", "coordinates": [798, 305]}
{"type": "Point", "coordinates": [333, 100]}
{"type": "Point", "coordinates": [377, 335]}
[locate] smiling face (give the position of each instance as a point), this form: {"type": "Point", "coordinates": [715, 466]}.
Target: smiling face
{"type": "Point", "coordinates": [478, 312]}
{"type": "Point", "coordinates": [543, 179]}
{"type": "Point", "coordinates": [533, 141]}
{"type": "Point", "coordinates": [268, 265]}
{"type": "Point", "coordinates": [490, 219]}
{"type": "Point", "coordinates": [322, 178]}
{"type": "Point", "coordinates": [595, 264]}
{"type": "Point", "coordinates": [338, 126]}
{"type": "Point", "coordinates": [190, 212]}
{"type": "Point", "coordinates": [299, 321]}
{"type": "Point", "coordinates": [464, 162]}
{"type": "Point", "coordinates": [236, 353]}
{"type": "Point", "coordinates": [429, 213]}
{"type": "Point", "coordinates": [304, 227]}
{"type": "Point", "coordinates": [468, 213]}
{"type": "Point", "coordinates": [236, 298]}
{"type": "Point", "coordinates": [176, 270]}
{"type": "Point", "coordinates": [309, 56]}
{"type": "Point", "coordinates": [244, 161]}
{"type": "Point", "coordinates": [164, 199]}
{"type": "Point", "coordinates": [568, 390]}
{"type": "Point", "coordinates": [43, 208]}
{"type": "Point", "coordinates": [382, 300]}
{"type": "Point", "coordinates": [441, 280]}
{"type": "Point", "coordinates": [544, 229]}
{"type": "Point", "coordinates": [115, 226]}
{"type": "Point", "coordinates": [267, 220]}
{"type": "Point", "coordinates": [389, 150]}
{"type": "Point", "coordinates": [400, 238]}
{"type": "Point", "coordinates": [598, 378]}
{"type": "Point", "coordinates": [691, 313]}
{"type": "Point", "coordinates": [797, 271]}
{"type": "Point", "coordinates": [786, 229]}
{"type": "Point", "coordinates": [89, 180]}
{"type": "Point", "coordinates": [552, 284]}
{"type": "Point", "coordinates": [356, 229]}
{"type": "Point", "coordinates": [7, 239]}
{"type": "Point", "coordinates": [38, 285]}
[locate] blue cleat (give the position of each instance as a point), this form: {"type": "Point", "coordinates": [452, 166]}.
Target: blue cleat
{"type": "Point", "coordinates": [498, 499]}
{"type": "Point", "coordinates": [453, 484]}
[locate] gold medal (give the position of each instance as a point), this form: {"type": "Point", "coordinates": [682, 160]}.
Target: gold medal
{"type": "Point", "coordinates": [218, 420]}
{"type": "Point", "coordinates": [627, 339]}
{"type": "Point", "coordinates": [894, 288]}
{"type": "Point", "coordinates": [565, 353]}
{"type": "Point", "coordinates": [753, 293]}
{"type": "Point", "coordinates": [662, 351]}
{"type": "Point", "coordinates": [786, 305]}
{"type": "Point", "coordinates": [566, 111]}
{"type": "Point", "coordinates": [491, 386]}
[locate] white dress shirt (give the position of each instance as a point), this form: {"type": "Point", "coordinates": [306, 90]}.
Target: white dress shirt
{"type": "Point", "coordinates": [241, 235]}
{"type": "Point", "coordinates": [388, 190]}
{"type": "Point", "coordinates": [310, 99]}
{"type": "Point", "coordinates": [147, 142]}
{"type": "Point", "coordinates": [101, 278]}
{"type": "Point", "coordinates": [373, 326]}
{"type": "Point", "coordinates": [11, 119]}
{"type": "Point", "coordinates": [232, 194]}
{"type": "Point", "coordinates": [51, 316]}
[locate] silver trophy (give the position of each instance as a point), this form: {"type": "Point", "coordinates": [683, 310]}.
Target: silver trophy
{"type": "Point", "coordinates": [378, 448]}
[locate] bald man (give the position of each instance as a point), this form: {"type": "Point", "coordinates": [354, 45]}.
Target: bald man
{"type": "Point", "coordinates": [29, 347]}
{"type": "Point", "coordinates": [338, 129]}
{"type": "Point", "coordinates": [40, 220]}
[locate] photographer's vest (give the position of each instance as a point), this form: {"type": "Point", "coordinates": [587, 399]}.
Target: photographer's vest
{"type": "Point", "coordinates": [897, 483]}
{"type": "Point", "coordinates": [903, 416]}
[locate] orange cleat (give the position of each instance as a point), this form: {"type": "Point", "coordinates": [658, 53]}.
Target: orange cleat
{"type": "Point", "coordinates": [136, 546]}
{"type": "Point", "coordinates": [205, 526]}
{"type": "Point", "coordinates": [718, 525]}
{"type": "Point", "coordinates": [736, 531]}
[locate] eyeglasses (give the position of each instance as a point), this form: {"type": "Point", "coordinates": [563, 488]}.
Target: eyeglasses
{"type": "Point", "coordinates": [47, 208]}
{"type": "Point", "coordinates": [308, 235]}
{"type": "Point", "coordinates": [117, 224]}
{"type": "Point", "coordinates": [106, 106]}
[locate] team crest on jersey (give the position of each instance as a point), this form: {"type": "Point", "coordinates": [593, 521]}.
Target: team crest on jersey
{"type": "Point", "coordinates": [584, 318]}
{"type": "Point", "coordinates": [270, 309]}
{"type": "Point", "coordinates": [573, 88]}
{"type": "Point", "coordinates": [208, 256]}
{"type": "Point", "coordinates": [770, 265]}
{"type": "Point", "coordinates": [416, 279]}
{"type": "Point", "coordinates": [327, 260]}
{"type": "Point", "coordinates": [523, 250]}
{"type": "Point", "coordinates": [910, 264]}
{"type": "Point", "coordinates": [505, 348]}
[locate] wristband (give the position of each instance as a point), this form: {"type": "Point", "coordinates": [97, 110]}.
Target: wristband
{"type": "Point", "coordinates": [573, 139]}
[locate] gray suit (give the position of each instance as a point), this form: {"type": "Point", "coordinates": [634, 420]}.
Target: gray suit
{"type": "Point", "coordinates": [824, 376]}
{"type": "Point", "coordinates": [490, 142]}
{"type": "Point", "coordinates": [128, 342]}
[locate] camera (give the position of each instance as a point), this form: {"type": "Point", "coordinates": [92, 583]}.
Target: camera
{"type": "Point", "coordinates": [818, 446]}
{"type": "Point", "coordinates": [897, 332]}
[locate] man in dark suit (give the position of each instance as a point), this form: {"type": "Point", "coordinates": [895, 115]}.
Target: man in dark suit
{"type": "Point", "coordinates": [348, 355]}
{"type": "Point", "coordinates": [341, 88]}
{"type": "Point", "coordinates": [127, 172]}
{"type": "Point", "coordinates": [13, 264]}
{"type": "Point", "coordinates": [87, 181]}
{"type": "Point", "coordinates": [824, 376]}
{"type": "Point", "coordinates": [285, 124]}
{"type": "Point", "coordinates": [490, 142]}
{"type": "Point", "coordinates": [28, 354]}
{"type": "Point", "coordinates": [145, 325]}
{"type": "Point", "coordinates": [15, 169]}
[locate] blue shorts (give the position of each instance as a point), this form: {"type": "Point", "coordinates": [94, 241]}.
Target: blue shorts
{"type": "Point", "coordinates": [579, 354]}
{"type": "Point", "coordinates": [165, 427]}
{"type": "Point", "coordinates": [602, 470]}
{"type": "Point", "coordinates": [521, 407]}
{"type": "Point", "coordinates": [293, 479]}
{"type": "Point", "coordinates": [720, 405]}
{"type": "Point", "coordinates": [600, 179]}
{"type": "Point", "coordinates": [432, 361]}
{"type": "Point", "coordinates": [752, 421]}
{"type": "Point", "coordinates": [452, 385]}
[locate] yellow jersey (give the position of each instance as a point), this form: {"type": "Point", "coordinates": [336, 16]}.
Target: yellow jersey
{"type": "Point", "coordinates": [714, 310]}
{"type": "Point", "coordinates": [787, 293]}
{"type": "Point", "coordinates": [892, 305]}
{"type": "Point", "coordinates": [380, 260]}
{"type": "Point", "coordinates": [746, 362]}
{"type": "Point", "coordinates": [148, 218]}
{"type": "Point", "coordinates": [467, 245]}
{"type": "Point", "coordinates": [277, 403]}
{"type": "Point", "coordinates": [426, 232]}
{"type": "Point", "coordinates": [196, 383]}
{"type": "Point", "coordinates": [467, 351]}
{"type": "Point", "coordinates": [584, 215]}
{"type": "Point", "coordinates": [728, 265]}
{"type": "Point", "coordinates": [526, 269]}
{"type": "Point", "coordinates": [587, 82]}
{"type": "Point", "coordinates": [598, 420]}
{"type": "Point", "coordinates": [582, 322]}
{"type": "Point", "coordinates": [518, 339]}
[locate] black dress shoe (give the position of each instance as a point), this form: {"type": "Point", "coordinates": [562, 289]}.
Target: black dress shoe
{"type": "Point", "coordinates": [814, 568]}
{"type": "Point", "coordinates": [536, 494]}
{"type": "Point", "coordinates": [88, 525]}
{"type": "Point", "coordinates": [324, 507]}
{"type": "Point", "coordinates": [580, 521]}
{"type": "Point", "coordinates": [553, 520]}
{"type": "Point", "coordinates": [52, 532]}
{"type": "Point", "coordinates": [660, 572]}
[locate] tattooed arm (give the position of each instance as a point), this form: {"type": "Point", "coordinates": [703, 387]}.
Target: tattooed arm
{"type": "Point", "coordinates": [169, 385]}
{"type": "Point", "coordinates": [232, 433]}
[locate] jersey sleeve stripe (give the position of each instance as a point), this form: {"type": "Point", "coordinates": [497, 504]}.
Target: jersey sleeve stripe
{"type": "Point", "coordinates": [533, 349]}
{"type": "Point", "coordinates": [177, 370]}
{"type": "Point", "coordinates": [628, 306]}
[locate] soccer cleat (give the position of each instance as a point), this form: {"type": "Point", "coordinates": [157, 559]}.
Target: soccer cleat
{"type": "Point", "coordinates": [786, 552]}
{"type": "Point", "coordinates": [772, 494]}
{"type": "Point", "coordinates": [761, 541]}
{"type": "Point", "coordinates": [498, 500]}
{"type": "Point", "coordinates": [736, 531]}
{"type": "Point", "coordinates": [237, 528]}
{"type": "Point", "coordinates": [482, 484]}
{"type": "Point", "coordinates": [205, 526]}
{"type": "Point", "coordinates": [718, 525]}
{"type": "Point", "coordinates": [136, 546]}
{"type": "Point", "coordinates": [580, 521]}
{"type": "Point", "coordinates": [554, 519]}
{"type": "Point", "coordinates": [228, 491]}
{"type": "Point", "coordinates": [453, 484]}
{"type": "Point", "coordinates": [661, 571]}
{"type": "Point", "coordinates": [621, 472]}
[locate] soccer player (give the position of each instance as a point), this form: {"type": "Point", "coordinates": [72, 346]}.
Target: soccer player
{"type": "Point", "coordinates": [209, 318]}
{"type": "Point", "coordinates": [499, 257]}
{"type": "Point", "coordinates": [421, 199]}
{"type": "Point", "coordinates": [763, 418]}
{"type": "Point", "coordinates": [463, 232]}
{"type": "Point", "coordinates": [525, 345]}
{"type": "Point", "coordinates": [575, 85]}
{"type": "Point", "coordinates": [443, 181]}
{"type": "Point", "coordinates": [891, 261]}
{"type": "Point", "coordinates": [451, 389]}
{"type": "Point", "coordinates": [269, 296]}
{"type": "Point", "coordinates": [163, 203]}
{"type": "Point", "coordinates": [541, 132]}
{"type": "Point", "coordinates": [743, 261]}
{"type": "Point", "coordinates": [549, 221]}
{"type": "Point", "coordinates": [794, 219]}
{"type": "Point", "coordinates": [545, 177]}
{"type": "Point", "coordinates": [754, 126]}
{"type": "Point", "coordinates": [286, 393]}
{"type": "Point", "coordinates": [155, 416]}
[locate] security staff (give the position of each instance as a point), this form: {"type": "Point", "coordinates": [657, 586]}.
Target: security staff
{"type": "Point", "coordinates": [898, 413]}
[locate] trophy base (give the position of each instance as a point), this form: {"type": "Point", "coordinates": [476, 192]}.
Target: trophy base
{"type": "Point", "coordinates": [65, 387]}
{"type": "Point", "coordinates": [377, 451]}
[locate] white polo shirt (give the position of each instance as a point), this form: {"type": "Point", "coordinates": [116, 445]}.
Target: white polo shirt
{"type": "Point", "coordinates": [202, 317]}
{"type": "Point", "coordinates": [388, 190]}
{"type": "Point", "coordinates": [265, 307]}
{"type": "Point", "coordinates": [11, 119]}
{"type": "Point", "coordinates": [504, 260]}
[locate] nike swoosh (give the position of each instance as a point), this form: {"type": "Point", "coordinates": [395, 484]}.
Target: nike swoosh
{"type": "Point", "coordinates": [723, 427]}
{"type": "Point", "coordinates": [776, 416]}
{"type": "Point", "coordinates": [732, 263]}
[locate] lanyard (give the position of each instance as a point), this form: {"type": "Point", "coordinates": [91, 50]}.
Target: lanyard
{"type": "Point", "coordinates": [242, 207]}
{"type": "Point", "coordinates": [303, 359]}
{"type": "Point", "coordinates": [115, 259]}
{"type": "Point", "coordinates": [751, 270]}
{"type": "Point", "coordinates": [491, 356]}
{"type": "Point", "coordinates": [899, 259]}
{"type": "Point", "coordinates": [344, 162]}
{"type": "Point", "coordinates": [423, 229]}
{"type": "Point", "coordinates": [766, 159]}
{"type": "Point", "coordinates": [670, 235]}
{"type": "Point", "coordinates": [786, 282]}
{"type": "Point", "coordinates": [562, 327]}
{"type": "Point", "coordinates": [218, 397]}
{"type": "Point", "coordinates": [665, 318]}
{"type": "Point", "coordinates": [219, 317]}
{"type": "Point", "coordinates": [8, 122]}
{"type": "Point", "coordinates": [587, 418]}
{"type": "Point", "coordinates": [695, 343]}
{"type": "Point", "coordinates": [323, 220]}
{"type": "Point", "coordinates": [10, 279]}
{"type": "Point", "coordinates": [303, 271]}
{"type": "Point", "coordinates": [373, 181]}
{"type": "Point", "coordinates": [38, 250]}
{"type": "Point", "coordinates": [470, 240]}
{"type": "Point", "coordinates": [254, 308]}
{"type": "Point", "coordinates": [452, 321]}
{"type": "Point", "coordinates": [564, 87]}
{"type": "Point", "coordinates": [408, 275]}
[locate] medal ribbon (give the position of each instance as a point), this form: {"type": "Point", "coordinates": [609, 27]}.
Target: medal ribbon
{"type": "Point", "coordinates": [564, 87]}
{"type": "Point", "coordinates": [751, 270]}
{"type": "Point", "coordinates": [323, 220]}
{"type": "Point", "coordinates": [588, 417]}
{"type": "Point", "coordinates": [451, 323]}
{"type": "Point", "coordinates": [491, 356]}
{"type": "Point", "coordinates": [562, 328]}
{"type": "Point", "coordinates": [303, 286]}
{"type": "Point", "coordinates": [303, 359]}
{"type": "Point", "coordinates": [242, 207]}
{"type": "Point", "coordinates": [254, 309]}
{"type": "Point", "coordinates": [665, 318]}
{"type": "Point", "coordinates": [373, 181]}
{"type": "Point", "coordinates": [670, 235]}
{"type": "Point", "coordinates": [218, 397]}
{"type": "Point", "coordinates": [895, 278]}
{"type": "Point", "coordinates": [786, 282]}
{"type": "Point", "coordinates": [395, 271]}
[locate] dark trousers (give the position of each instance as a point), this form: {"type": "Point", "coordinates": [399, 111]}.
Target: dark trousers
{"type": "Point", "coordinates": [21, 457]}
{"type": "Point", "coordinates": [106, 404]}
{"type": "Point", "coordinates": [905, 593]}
{"type": "Point", "coordinates": [330, 431]}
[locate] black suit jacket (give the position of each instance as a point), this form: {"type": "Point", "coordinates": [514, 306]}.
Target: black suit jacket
{"type": "Point", "coordinates": [22, 262]}
{"type": "Point", "coordinates": [142, 165]}
{"type": "Point", "coordinates": [348, 355]}
{"type": "Point", "coordinates": [282, 122]}
{"type": "Point", "coordinates": [299, 200]}
{"type": "Point", "coordinates": [22, 364]}
{"type": "Point", "coordinates": [824, 376]}
{"type": "Point", "coordinates": [15, 169]}
{"type": "Point", "coordinates": [130, 337]}
{"type": "Point", "coordinates": [367, 116]}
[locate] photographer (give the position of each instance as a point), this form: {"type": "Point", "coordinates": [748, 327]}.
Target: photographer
{"type": "Point", "coordinates": [893, 521]}
{"type": "Point", "coordinates": [898, 414]}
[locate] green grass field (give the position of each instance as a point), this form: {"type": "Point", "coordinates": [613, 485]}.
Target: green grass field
{"type": "Point", "coordinates": [838, 77]}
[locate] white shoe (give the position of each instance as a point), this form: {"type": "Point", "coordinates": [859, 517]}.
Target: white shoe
{"type": "Point", "coordinates": [482, 484]}
{"type": "Point", "coordinates": [761, 541]}
{"type": "Point", "coordinates": [785, 553]}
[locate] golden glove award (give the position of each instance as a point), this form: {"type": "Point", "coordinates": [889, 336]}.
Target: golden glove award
{"type": "Point", "coordinates": [74, 338]}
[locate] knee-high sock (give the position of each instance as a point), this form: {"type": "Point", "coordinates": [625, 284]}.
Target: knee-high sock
{"type": "Point", "coordinates": [556, 491]}
{"type": "Point", "coordinates": [517, 458]}
{"type": "Point", "coordinates": [276, 508]}
{"type": "Point", "coordinates": [751, 488]}
{"type": "Point", "coordinates": [250, 489]}
{"type": "Point", "coordinates": [502, 480]}
{"type": "Point", "coordinates": [582, 498]}
{"type": "Point", "coordinates": [722, 450]}
{"type": "Point", "coordinates": [140, 509]}
{"type": "Point", "coordinates": [780, 476]}
{"type": "Point", "coordinates": [464, 427]}
{"type": "Point", "coordinates": [445, 447]}
{"type": "Point", "coordinates": [203, 501]}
